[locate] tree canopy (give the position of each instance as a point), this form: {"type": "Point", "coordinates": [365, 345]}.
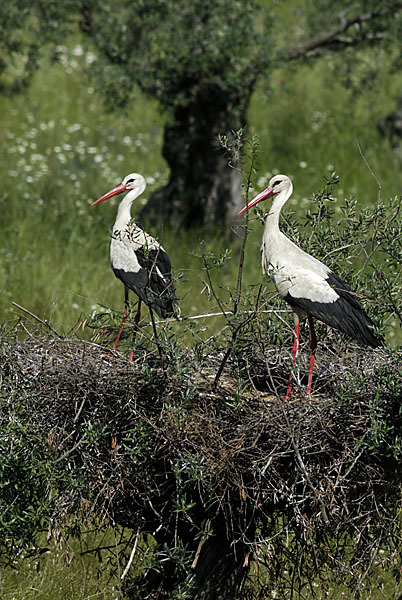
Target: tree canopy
{"type": "Point", "coordinates": [200, 60]}
{"type": "Point", "coordinates": [173, 50]}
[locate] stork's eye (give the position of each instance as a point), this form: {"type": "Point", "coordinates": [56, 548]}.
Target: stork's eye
{"type": "Point", "coordinates": [131, 180]}
{"type": "Point", "coordinates": [276, 183]}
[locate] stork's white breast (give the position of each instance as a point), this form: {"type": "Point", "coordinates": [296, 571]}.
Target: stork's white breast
{"type": "Point", "coordinates": [122, 256]}
{"type": "Point", "coordinates": [123, 247]}
{"type": "Point", "coordinates": [294, 271]}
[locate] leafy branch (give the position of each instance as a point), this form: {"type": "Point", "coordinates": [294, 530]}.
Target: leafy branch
{"type": "Point", "coordinates": [253, 152]}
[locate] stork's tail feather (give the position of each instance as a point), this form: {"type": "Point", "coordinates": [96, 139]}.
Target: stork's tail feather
{"type": "Point", "coordinates": [360, 327]}
{"type": "Point", "coordinates": [165, 309]}
{"type": "Point", "coordinates": [352, 321]}
{"type": "Point", "coordinates": [165, 304]}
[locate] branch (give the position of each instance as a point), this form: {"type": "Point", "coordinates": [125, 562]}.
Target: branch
{"type": "Point", "coordinates": [333, 38]}
{"type": "Point", "coordinates": [130, 560]}
{"type": "Point", "coordinates": [370, 169]}
{"type": "Point", "coordinates": [389, 292]}
{"type": "Point", "coordinates": [302, 466]}
{"type": "Point", "coordinates": [45, 323]}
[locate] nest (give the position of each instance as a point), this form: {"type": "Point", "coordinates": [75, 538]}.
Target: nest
{"type": "Point", "coordinates": [315, 482]}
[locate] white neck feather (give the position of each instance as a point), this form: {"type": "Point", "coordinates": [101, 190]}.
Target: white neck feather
{"type": "Point", "coordinates": [272, 220]}
{"type": "Point", "coordinates": [123, 216]}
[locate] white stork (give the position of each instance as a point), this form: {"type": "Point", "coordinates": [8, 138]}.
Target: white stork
{"type": "Point", "coordinates": [308, 285]}
{"type": "Point", "coordinates": [137, 259]}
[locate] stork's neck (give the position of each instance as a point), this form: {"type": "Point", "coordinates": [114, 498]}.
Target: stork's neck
{"type": "Point", "coordinates": [272, 220]}
{"type": "Point", "coordinates": [123, 216]}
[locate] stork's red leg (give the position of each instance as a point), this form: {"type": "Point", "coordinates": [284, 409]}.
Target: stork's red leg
{"type": "Point", "coordinates": [313, 346]}
{"type": "Point", "coordinates": [125, 315]}
{"type": "Point", "coordinates": [296, 343]}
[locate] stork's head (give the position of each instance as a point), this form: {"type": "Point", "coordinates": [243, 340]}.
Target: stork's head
{"type": "Point", "coordinates": [134, 183]}
{"type": "Point", "coordinates": [276, 185]}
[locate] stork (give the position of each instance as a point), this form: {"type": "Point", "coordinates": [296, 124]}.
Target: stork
{"type": "Point", "coordinates": [307, 284]}
{"type": "Point", "coordinates": [137, 259]}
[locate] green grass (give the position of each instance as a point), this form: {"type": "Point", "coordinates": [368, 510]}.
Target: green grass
{"type": "Point", "coordinates": [311, 124]}
{"type": "Point", "coordinates": [62, 573]}
{"type": "Point", "coordinates": [68, 572]}
{"type": "Point", "coordinates": [61, 151]}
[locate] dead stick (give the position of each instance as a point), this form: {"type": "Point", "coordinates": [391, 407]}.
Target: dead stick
{"type": "Point", "coordinates": [45, 323]}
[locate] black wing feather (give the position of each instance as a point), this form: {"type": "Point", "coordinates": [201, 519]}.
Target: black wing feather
{"type": "Point", "coordinates": [345, 314]}
{"type": "Point", "coordinates": [157, 291]}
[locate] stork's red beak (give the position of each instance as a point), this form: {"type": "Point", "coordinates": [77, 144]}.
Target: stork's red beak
{"type": "Point", "coordinates": [266, 193]}
{"type": "Point", "coordinates": [113, 192]}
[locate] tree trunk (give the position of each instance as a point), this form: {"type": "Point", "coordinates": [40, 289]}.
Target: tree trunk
{"type": "Point", "coordinates": [203, 189]}
{"type": "Point", "coordinates": [220, 569]}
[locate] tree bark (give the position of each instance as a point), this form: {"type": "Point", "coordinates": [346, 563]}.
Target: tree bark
{"type": "Point", "coordinates": [203, 189]}
{"type": "Point", "coordinates": [220, 569]}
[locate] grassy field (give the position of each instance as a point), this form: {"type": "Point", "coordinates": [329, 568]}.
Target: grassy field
{"type": "Point", "coordinates": [78, 576]}
{"type": "Point", "coordinates": [60, 151]}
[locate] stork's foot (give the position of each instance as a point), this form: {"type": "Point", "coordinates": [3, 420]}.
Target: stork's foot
{"type": "Point", "coordinates": [109, 355]}
{"type": "Point", "coordinates": [114, 353]}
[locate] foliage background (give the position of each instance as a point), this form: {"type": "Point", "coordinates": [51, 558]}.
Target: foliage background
{"type": "Point", "coordinates": [60, 153]}
{"type": "Point", "coordinates": [62, 150]}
